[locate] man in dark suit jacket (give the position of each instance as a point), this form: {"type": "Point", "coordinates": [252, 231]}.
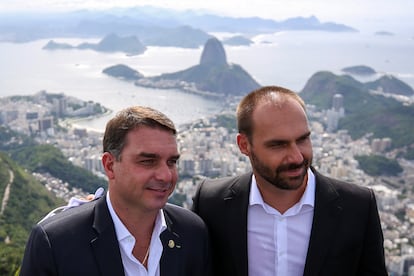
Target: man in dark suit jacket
{"type": "Point", "coordinates": [346, 237]}
{"type": "Point", "coordinates": [131, 230]}
{"type": "Point", "coordinates": [333, 227]}
{"type": "Point", "coordinates": [82, 241]}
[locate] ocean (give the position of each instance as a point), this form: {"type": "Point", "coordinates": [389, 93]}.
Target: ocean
{"type": "Point", "coordinates": [286, 58]}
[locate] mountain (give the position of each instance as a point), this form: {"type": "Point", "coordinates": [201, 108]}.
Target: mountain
{"type": "Point", "coordinates": [154, 26]}
{"type": "Point", "coordinates": [110, 43]}
{"type": "Point", "coordinates": [213, 54]}
{"type": "Point", "coordinates": [385, 84]}
{"type": "Point", "coordinates": [215, 23]}
{"type": "Point", "coordinates": [184, 36]}
{"type": "Point", "coordinates": [24, 201]}
{"type": "Point", "coordinates": [213, 76]}
{"type": "Point", "coordinates": [213, 73]}
{"type": "Point", "coordinates": [390, 84]}
{"type": "Point", "coordinates": [365, 111]}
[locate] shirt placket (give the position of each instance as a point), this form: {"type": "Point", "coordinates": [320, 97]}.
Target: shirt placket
{"type": "Point", "coordinates": [281, 245]}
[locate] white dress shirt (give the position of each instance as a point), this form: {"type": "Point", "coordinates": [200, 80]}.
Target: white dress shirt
{"type": "Point", "coordinates": [132, 266]}
{"type": "Point", "coordinates": [278, 243]}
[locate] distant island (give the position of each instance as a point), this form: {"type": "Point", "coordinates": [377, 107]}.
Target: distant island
{"type": "Point", "coordinates": [384, 33]}
{"type": "Point", "coordinates": [123, 72]}
{"type": "Point", "coordinates": [359, 70]}
{"type": "Point", "coordinates": [110, 43]}
{"type": "Point", "coordinates": [237, 40]}
{"type": "Point", "coordinates": [212, 77]}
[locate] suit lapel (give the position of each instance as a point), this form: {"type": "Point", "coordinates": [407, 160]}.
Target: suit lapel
{"type": "Point", "coordinates": [325, 220]}
{"type": "Point", "coordinates": [105, 244]}
{"type": "Point", "coordinates": [170, 263]}
{"type": "Point", "coordinates": [236, 200]}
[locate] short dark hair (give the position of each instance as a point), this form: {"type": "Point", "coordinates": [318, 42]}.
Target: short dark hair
{"type": "Point", "coordinates": [248, 104]}
{"type": "Point", "coordinates": [129, 119]}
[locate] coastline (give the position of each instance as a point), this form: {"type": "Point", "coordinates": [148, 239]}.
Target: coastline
{"type": "Point", "coordinates": [72, 123]}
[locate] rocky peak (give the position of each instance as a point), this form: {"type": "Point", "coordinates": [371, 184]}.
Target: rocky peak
{"type": "Point", "coordinates": [213, 53]}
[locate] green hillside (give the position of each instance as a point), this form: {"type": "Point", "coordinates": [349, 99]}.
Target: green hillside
{"type": "Point", "coordinates": [23, 199]}
{"type": "Point", "coordinates": [27, 202]}
{"type": "Point", "coordinates": [47, 159]}
{"type": "Point", "coordinates": [377, 165]}
{"type": "Point", "coordinates": [365, 112]}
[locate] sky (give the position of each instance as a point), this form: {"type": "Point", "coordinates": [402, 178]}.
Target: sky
{"type": "Point", "coordinates": [349, 12]}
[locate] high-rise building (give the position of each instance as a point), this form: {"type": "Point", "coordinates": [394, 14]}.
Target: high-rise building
{"type": "Point", "coordinates": [335, 113]}
{"type": "Point", "coordinates": [45, 124]}
{"type": "Point", "coordinates": [60, 106]}
{"type": "Point", "coordinates": [338, 102]}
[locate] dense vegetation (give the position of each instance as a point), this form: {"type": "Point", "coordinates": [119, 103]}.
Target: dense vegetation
{"type": "Point", "coordinates": [409, 154]}
{"type": "Point", "coordinates": [27, 203]}
{"type": "Point", "coordinates": [29, 200]}
{"type": "Point", "coordinates": [391, 83]}
{"type": "Point", "coordinates": [49, 159]}
{"type": "Point", "coordinates": [364, 111]}
{"type": "Point", "coordinates": [377, 165]}
{"type": "Point", "coordinates": [228, 121]}
{"type": "Point", "coordinates": [11, 140]}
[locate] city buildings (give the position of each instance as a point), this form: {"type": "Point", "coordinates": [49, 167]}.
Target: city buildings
{"type": "Point", "coordinates": [208, 149]}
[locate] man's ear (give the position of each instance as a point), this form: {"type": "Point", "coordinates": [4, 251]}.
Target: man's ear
{"type": "Point", "coordinates": [108, 162]}
{"type": "Point", "coordinates": [243, 143]}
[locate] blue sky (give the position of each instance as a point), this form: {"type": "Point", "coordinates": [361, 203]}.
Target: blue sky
{"type": "Point", "coordinates": [358, 13]}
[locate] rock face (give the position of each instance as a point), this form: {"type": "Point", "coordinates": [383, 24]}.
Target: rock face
{"type": "Point", "coordinates": [213, 53]}
{"type": "Point", "coordinates": [213, 74]}
{"type": "Point", "coordinates": [212, 77]}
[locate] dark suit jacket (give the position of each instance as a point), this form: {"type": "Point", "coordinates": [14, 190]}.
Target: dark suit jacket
{"type": "Point", "coordinates": [82, 241]}
{"type": "Point", "coordinates": [346, 236]}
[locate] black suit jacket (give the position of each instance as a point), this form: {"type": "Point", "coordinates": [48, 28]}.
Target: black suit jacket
{"type": "Point", "coordinates": [82, 241]}
{"type": "Point", "coordinates": [346, 236]}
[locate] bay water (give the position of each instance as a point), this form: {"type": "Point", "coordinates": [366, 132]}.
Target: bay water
{"type": "Point", "coordinates": [286, 58]}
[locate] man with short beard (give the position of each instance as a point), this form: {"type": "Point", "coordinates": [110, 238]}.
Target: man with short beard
{"type": "Point", "coordinates": [285, 218]}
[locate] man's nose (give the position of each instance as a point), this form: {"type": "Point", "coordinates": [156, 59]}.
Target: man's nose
{"type": "Point", "coordinates": [294, 154]}
{"type": "Point", "coordinates": [164, 173]}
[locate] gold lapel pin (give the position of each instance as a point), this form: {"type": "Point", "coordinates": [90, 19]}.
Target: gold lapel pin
{"type": "Point", "coordinates": [171, 244]}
